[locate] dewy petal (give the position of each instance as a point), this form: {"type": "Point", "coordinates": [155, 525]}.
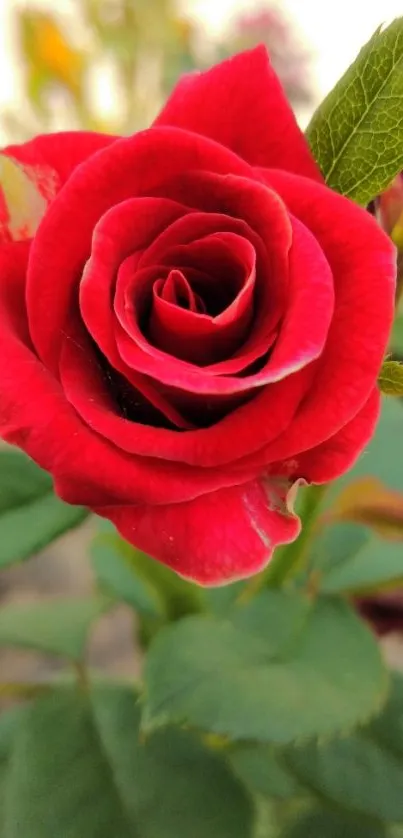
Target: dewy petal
{"type": "Point", "coordinates": [240, 103]}
{"type": "Point", "coordinates": [218, 538]}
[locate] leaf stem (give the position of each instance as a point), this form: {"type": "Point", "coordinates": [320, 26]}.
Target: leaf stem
{"type": "Point", "coordinates": [81, 675]}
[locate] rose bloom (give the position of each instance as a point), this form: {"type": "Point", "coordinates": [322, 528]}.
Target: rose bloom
{"type": "Point", "coordinates": [191, 322]}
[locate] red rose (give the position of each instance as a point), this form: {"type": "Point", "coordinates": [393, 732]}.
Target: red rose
{"type": "Point", "coordinates": [196, 325]}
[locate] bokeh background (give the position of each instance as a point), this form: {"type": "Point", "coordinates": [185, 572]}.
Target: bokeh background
{"type": "Point", "coordinates": [108, 65]}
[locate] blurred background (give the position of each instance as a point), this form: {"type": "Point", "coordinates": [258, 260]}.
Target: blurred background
{"type": "Point", "coordinates": [108, 65]}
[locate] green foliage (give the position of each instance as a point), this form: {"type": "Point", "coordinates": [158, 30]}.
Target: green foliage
{"type": "Point", "coordinates": [284, 668]}
{"type": "Point", "coordinates": [221, 600]}
{"type": "Point", "coordinates": [382, 457]}
{"type": "Point", "coordinates": [348, 558]}
{"type": "Point", "coordinates": [362, 772]}
{"type": "Point", "coordinates": [378, 563]}
{"type": "Point", "coordinates": [261, 769]}
{"type": "Point", "coordinates": [117, 579]}
{"type": "Point", "coordinates": [56, 627]}
{"type": "Point", "coordinates": [351, 556]}
{"type": "Point", "coordinates": [78, 769]}
{"type": "Point", "coordinates": [335, 545]}
{"type": "Point", "coordinates": [396, 338]}
{"type": "Point", "coordinates": [321, 823]}
{"type": "Point", "coordinates": [9, 723]}
{"type": "Point", "coordinates": [31, 516]}
{"type": "Point", "coordinates": [390, 379]}
{"type": "Point", "coordinates": [356, 134]}
{"type": "Point", "coordinates": [169, 593]}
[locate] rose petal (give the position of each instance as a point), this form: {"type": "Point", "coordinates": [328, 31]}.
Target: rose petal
{"type": "Point", "coordinates": [61, 152]}
{"type": "Point", "coordinates": [78, 363]}
{"type": "Point", "coordinates": [224, 442]}
{"type": "Point", "coordinates": [194, 337]}
{"type": "Point", "coordinates": [124, 229]}
{"type": "Point", "coordinates": [177, 290]}
{"type": "Point", "coordinates": [334, 457]}
{"type": "Point", "coordinates": [87, 469]}
{"type": "Point", "coordinates": [363, 263]}
{"type": "Point", "coordinates": [218, 538]}
{"type": "Point", "coordinates": [331, 458]}
{"type": "Point", "coordinates": [127, 168]}
{"type": "Point", "coordinates": [25, 193]}
{"type": "Point", "coordinates": [271, 244]}
{"type": "Point", "coordinates": [241, 104]}
{"type": "Point", "coordinates": [301, 339]}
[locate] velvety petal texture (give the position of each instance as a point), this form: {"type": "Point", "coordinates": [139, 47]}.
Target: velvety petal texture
{"type": "Point", "coordinates": [191, 322]}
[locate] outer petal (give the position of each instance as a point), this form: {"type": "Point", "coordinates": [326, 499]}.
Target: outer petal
{"type": "Point", "coordinates": [363, 262]}
{"type": "Point", "coordinates": [334, 457]}
{"type": "Point", "coordinates": [339, 453]}
{"type": "Point", "coordinates": [31, 175]}
{"type": "Point", "coordinates": [240, 103]}
{"type": "Point", "coordinates": [62, 152]}
{"type": "Point", "coordinates": [218, 538]}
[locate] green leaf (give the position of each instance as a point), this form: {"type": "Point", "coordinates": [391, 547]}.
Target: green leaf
{"type": "Point", "coordinates": [59, 627]}
{"type": "Point", "coordinates": [222, 599]}
{"type": "Point", "coordinates": [378, 563]}
{"type": "Point", "coordinates": [31, 516]}
{"type": "Point", "coordinates": [363, 772]}
{"type": "Point", "coordinates": [335, 545]}
{"type": "Point", "coordinates": [261, 770]}
{"type": "Point", "coordinates": [390, 379]}
{"type": "Point", "coordinates": [383, 457]}
{"type": "Point", "coordinates": [355, 772]}
{"type": "Point", "coordinates": [179, 597]}
{"type": "Point", "coordinates": [387, 728]}
{"type": "Point", "coordinates": [115, 576]}
{"type": "Point", "coordinates": [9, 724]}
{"type": "Point", "coordinates": [356, 134]}
{"type": "Point", "coordinates": [275, 674]}
{"type": "Point", "coordinates": [322, 823]}
{"type": "Point", "coordinates": [79, 771]}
